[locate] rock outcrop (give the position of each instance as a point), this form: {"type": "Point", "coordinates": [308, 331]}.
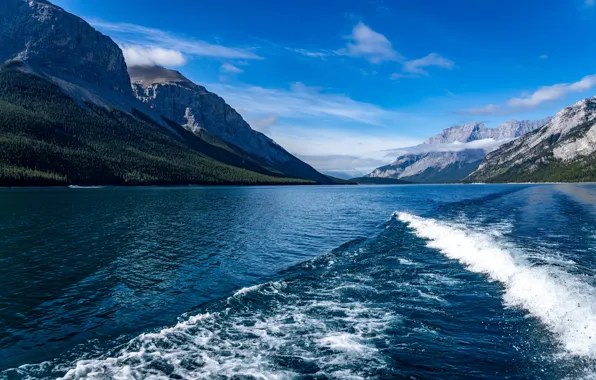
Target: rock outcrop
{"type": "Point", "coordinates": [562, 150]}
{"type": "Point", "coordinates": [478, 131]}
{"type": "Point", "coordinates": [49, 41]}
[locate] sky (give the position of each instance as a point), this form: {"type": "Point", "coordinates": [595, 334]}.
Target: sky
{"type": "Point", "coordinates": [343, 84]}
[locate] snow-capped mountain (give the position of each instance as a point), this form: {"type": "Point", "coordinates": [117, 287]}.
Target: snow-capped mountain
{"type": "Point", "coordinates": [562, 150]}
{"type": "Point", "coordinates": [453, 153]}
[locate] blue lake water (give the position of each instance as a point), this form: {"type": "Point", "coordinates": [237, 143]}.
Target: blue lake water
{"type": "Point", "coordinates": [354, 282]}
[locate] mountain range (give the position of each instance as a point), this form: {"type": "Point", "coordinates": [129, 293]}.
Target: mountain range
{"type": "Point", "coordinates": [71, 114]}
{"type": "Point", "coordinates": [454, 153]}
{"type": "Point", "coordinates": [564, 150]}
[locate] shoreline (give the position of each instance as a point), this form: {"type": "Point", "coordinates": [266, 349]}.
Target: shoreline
{"type": "Point", "coordinates": [92, 187]}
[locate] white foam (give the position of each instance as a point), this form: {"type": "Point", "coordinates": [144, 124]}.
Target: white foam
{"type": "Point", "coordinates": [244, 342]}
{"type": "Point", "coordinates": [248, 289]}
{"type": "Point", "coordinates": [430, 296]}
{"type": "Point", "coordinates": [562, 302]}
{"type": "Point", "coordinates": [344, 342]}
{"type": "Point", "coordinates": [406, 262]}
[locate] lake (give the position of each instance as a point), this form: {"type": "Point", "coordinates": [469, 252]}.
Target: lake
{"type": "Point", "coordinates": [300, 282]}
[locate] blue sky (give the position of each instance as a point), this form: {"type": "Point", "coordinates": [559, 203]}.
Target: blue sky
{"type": "Point", "coordinates": [341, 82]}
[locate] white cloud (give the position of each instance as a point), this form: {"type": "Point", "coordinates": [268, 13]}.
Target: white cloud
{"type": "Point", "coordinates": [147, 56]}
{"type": "Point", "coordinates": [150, 38]}
{"type": "Point", "coordinates": [590, 3]}
{"type": "Point", "coordinates": [417, 66]}
{"type": "Point", "coordinates": [554, 92]}
{"type": "Point", "coordinates": [543, 56]}
{"type": "Point", "coordinates": [312, 53]}
{"type": "Point", "coordinates": [534, 99]}
{"type": "Point", "coordinates": [263, 124]}
{"type": "Point", "coordinates": [489, 109]}
{"type": "Point", "coordinates": [368, 44]}
{"type": "Point", "coordinates": [319, 141]}
{"type": "Point", "coordinates": [230, 69]}
{"type": "Point", "coordinates": [486, 144]}
{"type": "Point", "coordinates": [301, 102]}
{"type": "Point", "coordinates": [342, 163]}
{"type": "Point", "coordinates": [309, 121]}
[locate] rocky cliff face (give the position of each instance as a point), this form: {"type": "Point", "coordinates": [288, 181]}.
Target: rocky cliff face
{"type": "Point", "coordinates": [50, 41]}
{"type": "Point", "coordinates": [478, 131]}
{"type": "Point", "coordinates": [438, 161]}
{"type": "Point", "coordinates": [177, 98]}
{"type": "Point", "coordinates": [47, 53]}
{"type": "Point", "coordinates": [563, 149]}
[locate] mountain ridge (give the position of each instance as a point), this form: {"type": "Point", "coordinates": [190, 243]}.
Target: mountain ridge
{"type": "Point", "coordinates": [68, 114]}
{"type": "Point", "coordinates": [445, 157]}
{"type": "Point", "coordinates": [177, 98]}
{"type": "Point", "coordinates": [562, 150]}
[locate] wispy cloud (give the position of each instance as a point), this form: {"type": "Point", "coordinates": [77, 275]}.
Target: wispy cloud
{"type": "Point", "coordinates": [536, 98]}
{"type": "Point", "coordinates": [590, 3]}
{"type": "Point", "coordinates": [554, 92]}
{"type": "Point", "coordinates": [365, 43]}
{"type": "Point", "coordinates": [151, 56]}
{"type": "Point", "coordinates": [321, 53]}
{"type": "Point", "coordinates": [230, 69]}
{"type": "Point", "coordinates": [417, 66]}
{"type": "Point", "coordinates": [342, 162]}
{"type": "Point", "coordinates": [366, 150]}
{"type": "Point", "coordinates": [380, 7]}
{"type": "Point", "coordinates": [487, 145]}
{"type": "Point", "coordinates": [302, 101]}
{"type": "Point", "coordinates": [373, 46]}
{"type": "Point", "coordinates": [543, 56]}
{"type": "Point", "coordinates": [263, 124]}
{"type": "Point", "coordinates": [152, 39]}
{"type": "Point", "coordinates": [311, 121]}
{"type": "Point", "coordinates": [489, 109]}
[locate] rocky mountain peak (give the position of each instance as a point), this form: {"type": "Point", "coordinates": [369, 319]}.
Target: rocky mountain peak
{"type": "Point", "coordinates": [149, 75]}
{"type": "Point", "coordinates": [177, 98]}
{"type": "Point", "coordinates": [459, 133]}
{"type": "Point", "coordinates": [571, 116]}
{"type": "Point", "coordinates": [51, 42]}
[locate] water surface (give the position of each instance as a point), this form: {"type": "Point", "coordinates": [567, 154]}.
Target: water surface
{"type": "Point", "coordinates": [299, 282]}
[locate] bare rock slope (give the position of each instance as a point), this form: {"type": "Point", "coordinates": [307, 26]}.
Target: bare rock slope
{"type": "Point", "coordinates": [176, 98]}
{"type": "Point", "coordinates": [562, 150]}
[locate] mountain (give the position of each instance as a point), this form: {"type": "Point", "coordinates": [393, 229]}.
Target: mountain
{"type": "Point", "coordinates": [61, 46]}
{"type": "Point", "coordinates": [454, 153]}
{"type": "Point", "coordinates": [344, 174]}
{"type": "Point", "coordinates": [177, 98]}
{"type": "Point", "coordinates": [478, 131]}
{"type": "Point", "coordinates": [68, 114]}
{"type": "Point", "coordinates": [378, 181]}
{"type": "Point", "coordinates": [562, 150]}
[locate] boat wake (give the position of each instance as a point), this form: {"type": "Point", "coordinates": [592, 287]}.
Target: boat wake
{"type": "Point", "coordinates": [562, 302]}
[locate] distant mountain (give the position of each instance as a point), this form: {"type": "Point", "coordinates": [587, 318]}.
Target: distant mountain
{"type": "Point", "coordinates": [562, 150]}
{"type": "Point", "coordinates": [378, 181]}
{"type": "Point", "coordinates": [177, 98]}
{"type": "Point", "coordinates": [454, 153]}
{"type": "Point", "coordinates": [478, 131]}
{"type": "Point", "coordinates": [68, 114]}
{"type": "Point", "coordinates": [344, 174]}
